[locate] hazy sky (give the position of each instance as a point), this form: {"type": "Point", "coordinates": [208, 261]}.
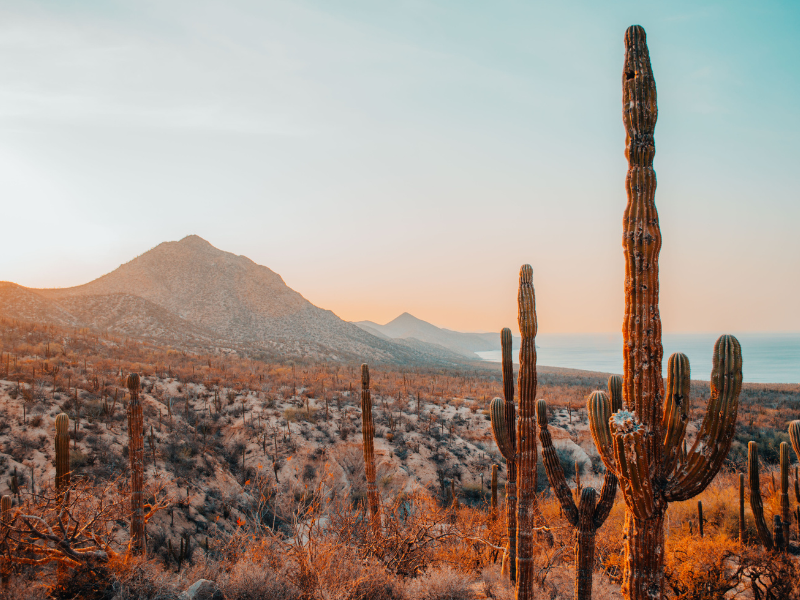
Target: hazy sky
{"type": "Point", "coordinates": [390, 156]}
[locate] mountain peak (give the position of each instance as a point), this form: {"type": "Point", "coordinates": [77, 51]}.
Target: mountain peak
{"type": "Point", "coordinates": [194, 240]}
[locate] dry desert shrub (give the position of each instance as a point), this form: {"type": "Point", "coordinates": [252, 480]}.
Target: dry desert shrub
{"type": "Point", "coordinates": [442, 583]}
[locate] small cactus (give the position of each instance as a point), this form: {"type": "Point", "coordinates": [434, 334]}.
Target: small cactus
{"type": "Point", "coordinates": [62, 452]}
{"type": "Point", "coordinates": [6, 502]}
{"type": "Point", "coordinates": [136, 453]}
{"type": "Point", "coordinates": [494, 491]}
{"type": "Point", "coordinates": [786, 519]}
{"type": "Point", "coordinates": [756, 504]}
{"type": "Point", "coordinates": [741, 508]}
{"type": "Point", "coordinates": [368, 433]}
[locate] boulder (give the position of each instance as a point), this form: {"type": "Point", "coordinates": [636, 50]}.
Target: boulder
{"type": "Point", "coordinates": [202, 589]}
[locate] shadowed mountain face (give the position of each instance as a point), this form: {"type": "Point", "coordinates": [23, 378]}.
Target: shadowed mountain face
{"type": "Point", "coordinates": [191, 292]}
{"type": "Point", "coordinates": [409, 327]}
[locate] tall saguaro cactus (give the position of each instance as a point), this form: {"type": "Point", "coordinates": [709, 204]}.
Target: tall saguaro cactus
{"type": "Point", "coordinates": [136, 453]}
{"type": "Point", "coordinates": [504, 428]}
{"type": "Point", "coordinates": [368, 433]}
{"type": "Point", "coordinates": [590, 514]}
{"type": "Point", "coordinates": [526, 435]}
{"type": "Point", "coordinates": [62, 452]}
{"type": "Point", "coordinates": [524, 450]}
{"type": "Point", "coordinates": [646, 436]}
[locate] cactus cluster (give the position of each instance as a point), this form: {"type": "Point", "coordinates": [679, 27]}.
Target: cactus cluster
{"type": "Point", "coordinates": [519, 447]}
{"type": "Point", "coordinates": [589, 514]}
{"type": "Point", "coordinates": [643, 443]}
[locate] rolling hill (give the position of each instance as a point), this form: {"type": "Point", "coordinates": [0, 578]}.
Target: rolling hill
{"type": "Point", "coordinates": [190, 293]}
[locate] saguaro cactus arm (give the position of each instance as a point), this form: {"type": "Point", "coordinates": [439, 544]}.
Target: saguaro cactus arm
{"type": "Point", "coordinates": [552, 465]}
{"type": "Point", "coordinates": [511, 459]}
{"type": "Point", "coordinates": [709, 450]}
{"type": "Point", "coordinates": [609, 490]}
{"type": "Point", "coordinates": [633, 463]}
{"type": "Point", "coordinates": [599, 410]}
{"type": "Point", "coordinates": [501, 429]}
{"type": "Point", "coordinates": [676, 410]}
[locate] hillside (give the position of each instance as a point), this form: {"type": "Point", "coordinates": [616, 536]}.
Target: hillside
{"type": "Point", "coordinates": [191, 294]}
{"type": "Point", "coordinates": [409, 327]}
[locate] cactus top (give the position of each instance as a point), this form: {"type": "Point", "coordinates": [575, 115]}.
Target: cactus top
{"type": "Point", "coordinates": [527, 303]}
{"type": "Point", "coordinates": [132, 383]}
{"type": "Point", "coordinates": [639, 108]}
{"type": "Point", "coordinates": [62, 424]}
{"type": "Point", "coordinates": [365, 375]}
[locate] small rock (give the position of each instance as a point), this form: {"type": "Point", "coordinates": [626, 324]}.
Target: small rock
{"type": "Point", "coordinates": [202, 589]}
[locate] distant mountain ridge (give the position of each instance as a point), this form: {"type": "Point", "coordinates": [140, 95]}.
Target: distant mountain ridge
{"type": "Point", "coordinates": [409, 327]}
{"type": "Point", "coordinates": [191, 293]}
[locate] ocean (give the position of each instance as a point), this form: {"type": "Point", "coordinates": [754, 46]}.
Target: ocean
{"type": "Point", "coordinates": [766, 357]}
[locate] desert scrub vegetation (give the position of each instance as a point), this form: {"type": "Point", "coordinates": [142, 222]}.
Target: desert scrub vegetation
{"type": "Point", "coordinates": [237, 477]}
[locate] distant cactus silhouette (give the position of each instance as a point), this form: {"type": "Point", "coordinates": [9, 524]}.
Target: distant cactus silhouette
{"type": "Point", "coordinates": [136, 453]}
{"type": "Point", "coordinates": [589, 514]}
{"type": "Point", "coordinates": [368, 433]}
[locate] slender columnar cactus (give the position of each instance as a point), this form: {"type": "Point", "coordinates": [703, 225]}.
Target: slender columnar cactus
{"type": "Point", "coordinates": [136, 453]}
{"type": "Point", "coordinates": [647, 435]}
{"type": "Point", "coordinates": [62, 452]}
{"type": "Point", "coordinates": [526, 435]}
{"type": "Point", "coordinates": [741, 508]}
{"type": "Point", "coordinates": [6, 503]}
{"type": "Point", "coordinates": [504, 428]}
{"type": "Point", "coordinates": [588, 515]}
{"type": "Point", "coordinates": [368, 433]}
{"type": "Point", "coordinates": [494, 490]}
{"type": "Point", "coordinates": [756, 505]}
{"type": "Point", "coordinates": [700, 519]}
{"type": "Point", "coordinates": [786, 525]}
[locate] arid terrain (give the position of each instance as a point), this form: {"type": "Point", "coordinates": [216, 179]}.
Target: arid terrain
{"type": "Point", "coordinates": [237, 448]}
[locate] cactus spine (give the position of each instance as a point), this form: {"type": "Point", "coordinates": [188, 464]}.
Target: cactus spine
{"type": "Point", "coordinates": [62, 452]}
{"type": "Point", "coordinates": [504, 419]}
{"type": "Point", "coordinates": [136, 453]}
{"type": "Point", "coordinates": [589, 515]}
{"type": "Point", "coordinates": [647, 435]}
{"type": "Point", "coordinates": [368, 433]}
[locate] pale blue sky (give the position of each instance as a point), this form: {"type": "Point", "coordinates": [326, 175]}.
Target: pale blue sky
{"type": "Point", "coordinates": [408, 156]}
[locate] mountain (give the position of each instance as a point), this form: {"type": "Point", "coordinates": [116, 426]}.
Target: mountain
{"type": "Point", "coordinates": [191, 293]}
{"type": "Point", "coordinates": [409, 327]}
